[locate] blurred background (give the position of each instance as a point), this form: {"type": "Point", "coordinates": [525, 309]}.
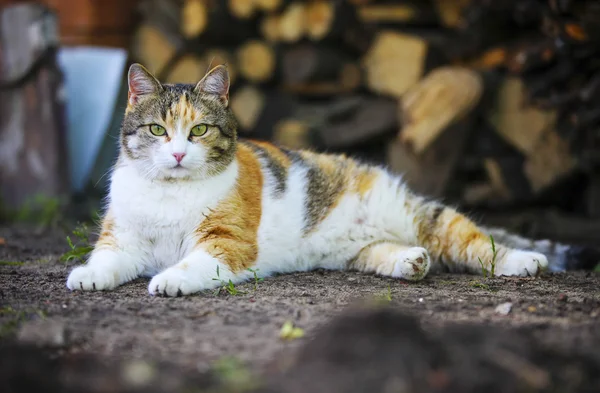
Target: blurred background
{"type": "Point", "coordinates": [490, 105]}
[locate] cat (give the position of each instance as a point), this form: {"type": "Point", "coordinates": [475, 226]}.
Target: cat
{"type": "Point", "coordinates": [189, 202]}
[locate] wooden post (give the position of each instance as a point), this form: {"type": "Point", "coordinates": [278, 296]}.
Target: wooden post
{"type": "Point", "coordinates": [33, 159]}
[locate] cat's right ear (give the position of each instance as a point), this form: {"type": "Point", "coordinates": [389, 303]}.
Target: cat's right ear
{"type": "Point", "coordinates": [141, 83]}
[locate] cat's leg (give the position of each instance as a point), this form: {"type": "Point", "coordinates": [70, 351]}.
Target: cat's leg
{"type": "Point", "coordinates": [453, 239]}
{"type": "Point", "coordinates": [108, 265]}
{"type": "Point", "coordinates": [395, 260]}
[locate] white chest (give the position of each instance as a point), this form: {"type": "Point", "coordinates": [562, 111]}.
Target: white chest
{"type": "Point", "coordinates": [158, 219]}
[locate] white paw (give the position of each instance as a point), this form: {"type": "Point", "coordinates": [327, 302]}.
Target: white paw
{"type": "Point", "coordinates": [521, 263]}
{"type": "Point", "coordinates": [172, 282]}
{"type": "Point", "coordinates": [412, 264]}
{"type": "Point", "coordinates": [87, 278]}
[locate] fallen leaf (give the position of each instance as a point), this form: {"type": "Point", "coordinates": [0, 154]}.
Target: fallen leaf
{"type": "Point", "coordinates": [531, 309]}
{"type": "Point", "coordinates": [289, 332]}
{"type": "Point", "coordinates": [2, 241]}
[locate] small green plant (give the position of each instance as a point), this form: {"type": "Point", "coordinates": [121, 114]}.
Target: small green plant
{"type": "Point", "coordinates": [484, 271]}
{"type": "Point", "coordinates": [388, 295]}
{"type": "Point", "coordinates": [597, 268]}
{"type": "Point", "coordinates": [290, 332]}
{"type": "Point", "coordinates": [385, 297]}
{"type": "Point", "coordinates": [477, 284]}
{"type": "Point", "coordinates": [11, 263]}
{"type": "Point", "coordinates": [227, 286]}
{"type": "Point", "coordinates": [39, 209]}
{"type": "Point", "coordinates": [234, 374]}
{"type": "Point", "coordinates": [494, 255]}
{"type": "Point", "coordinates": [13, 318]}
{"type": "Point", "coordinates": [81, 247]}
{"type": "Point", "coordinates": [256, 278]}
{"type": "Point", "coordinates": [492, 270]}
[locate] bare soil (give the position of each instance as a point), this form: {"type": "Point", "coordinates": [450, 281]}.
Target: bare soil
{"type": "Point", "coordinates": [440, 334]}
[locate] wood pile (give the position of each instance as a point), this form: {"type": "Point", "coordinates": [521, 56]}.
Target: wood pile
{"type": "Point", "coordinates": [484, 102]}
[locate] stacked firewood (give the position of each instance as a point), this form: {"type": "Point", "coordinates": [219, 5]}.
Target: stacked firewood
{"type": "Point", "coordinates": [486, 102]}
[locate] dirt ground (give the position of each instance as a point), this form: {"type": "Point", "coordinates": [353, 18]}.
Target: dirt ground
{"type": "Point", "coordinates": [422, 340]}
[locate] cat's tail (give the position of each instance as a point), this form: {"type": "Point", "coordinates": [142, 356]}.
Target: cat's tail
{"type": "Point", "coordinates": [561, 256]}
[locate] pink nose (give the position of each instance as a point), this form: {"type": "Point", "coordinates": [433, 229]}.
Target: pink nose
{"type": "Point", "coordinates": [179, 156]}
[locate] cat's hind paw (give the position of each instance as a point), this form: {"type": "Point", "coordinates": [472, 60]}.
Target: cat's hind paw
{"type": "Point", "coordinates": [411, 264]}
{"type": "Point", "coordinates": [521, 263]}
{"type": "Point", "coordinates": [172, 282]}
{"type": "Point", "coordinates": [87, 278]}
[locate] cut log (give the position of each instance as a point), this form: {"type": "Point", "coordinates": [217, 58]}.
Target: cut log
{"type": "Point", "coordinates": [336, 23]}
{"type": "Point", "coordinates": [242, 9]}
{"type": "Point", "coordinates": [247, 104]}
{"type": "Point", "coordinates": [430, 172]}
{"type": "Point", "coordinates": [550, 160]}
{"type": "Point", "coordinates": [515, 120]}
{"type": "Point", "coordinates": [319, 19]}
{"type": "Point", "coordinates": [291, 23]}
{"type": "Point", "coordinates": [342, 123]}
{"type": "Point", "coordinates": [257, 61]}
{"type": "Point", "coordinates": [152, 48]}
{"type": "Point", "coordinates": [451, 11]}
{"type": "Point", "coordinates": [502, 167]}
{"type": "Point", "coordinates": [269, 28]}
{"type": "Point", "coordinates": [439, 100]}
{"type": "Point", "coordinates": [165, 16]}
{"type": "Point", "coordinates": [369, 119]}
{"type": "Point", "coordinates": [187, 69]}
{"type": "Point", "coordinates": [310, 63]}
{"type": "Point", "coordinates": [278, 106]}
{"type": "Point", "coordinates": [33, 145]}
{"type": "Point", "coordinates": [317, 90]}
{"type": "Point", "coordinates": [269, 5]}
{"type": "Point", "coordinates": [224, 29]}
{"type": "Point", "coordinates": [391, 13]}
{"type": "Point", "coordinates": [292, 134]}
{"type": "Point", "coordinates": [288, 26]}
{"type": "Point", "coordinates": [194, 18]}
{"type": "Point", "coordinates": [395, 63]}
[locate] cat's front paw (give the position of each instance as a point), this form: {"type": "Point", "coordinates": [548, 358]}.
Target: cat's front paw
{"type": "Point", "coordinates": [521, 263]}
{"type": "Point", "coordinates": [172, 282]}
{"type": "Point", "coordinates": [412, 264]}
{"type": "Point", "coordinates": [88, 278]}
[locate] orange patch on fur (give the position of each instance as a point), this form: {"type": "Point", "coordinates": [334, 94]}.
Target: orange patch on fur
{"type": "Point", "coordinates": [181, 113]}
{"type": "Point", "coordinates": [364, 182]}
{"type": "Point", "coordinates": [459, 239]}
{"type": "Point", "coordinates": [230, 231]}
{"type": "Point", "coordinates": [107, 238]}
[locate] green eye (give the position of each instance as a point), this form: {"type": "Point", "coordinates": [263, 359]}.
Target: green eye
{"type": "Point", "coordinates": [199, 130]}
{"type": "Point", "coordinates": [157, 130]}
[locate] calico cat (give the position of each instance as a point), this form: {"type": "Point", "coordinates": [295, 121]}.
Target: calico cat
{"type": "Point", "coordinates": [187, 198]}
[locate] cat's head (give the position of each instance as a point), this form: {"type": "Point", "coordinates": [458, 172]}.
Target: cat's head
{"type": "Point", "coordinates": [178, 132]}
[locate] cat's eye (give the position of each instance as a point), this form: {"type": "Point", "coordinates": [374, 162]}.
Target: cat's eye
{"type": "Point", "coordinates": [157, 130]}
{"type": "Point", "coordinates": [199, 130]}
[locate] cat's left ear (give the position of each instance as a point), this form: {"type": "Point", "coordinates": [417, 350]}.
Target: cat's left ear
{"type": "Point", "coordinates": [215, 82]}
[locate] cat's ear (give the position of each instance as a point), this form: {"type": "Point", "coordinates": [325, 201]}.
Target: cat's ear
{"type": "Point", "coordinates": [215, 82]}
{"type": "Point", "coordinates": [141, 83]}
